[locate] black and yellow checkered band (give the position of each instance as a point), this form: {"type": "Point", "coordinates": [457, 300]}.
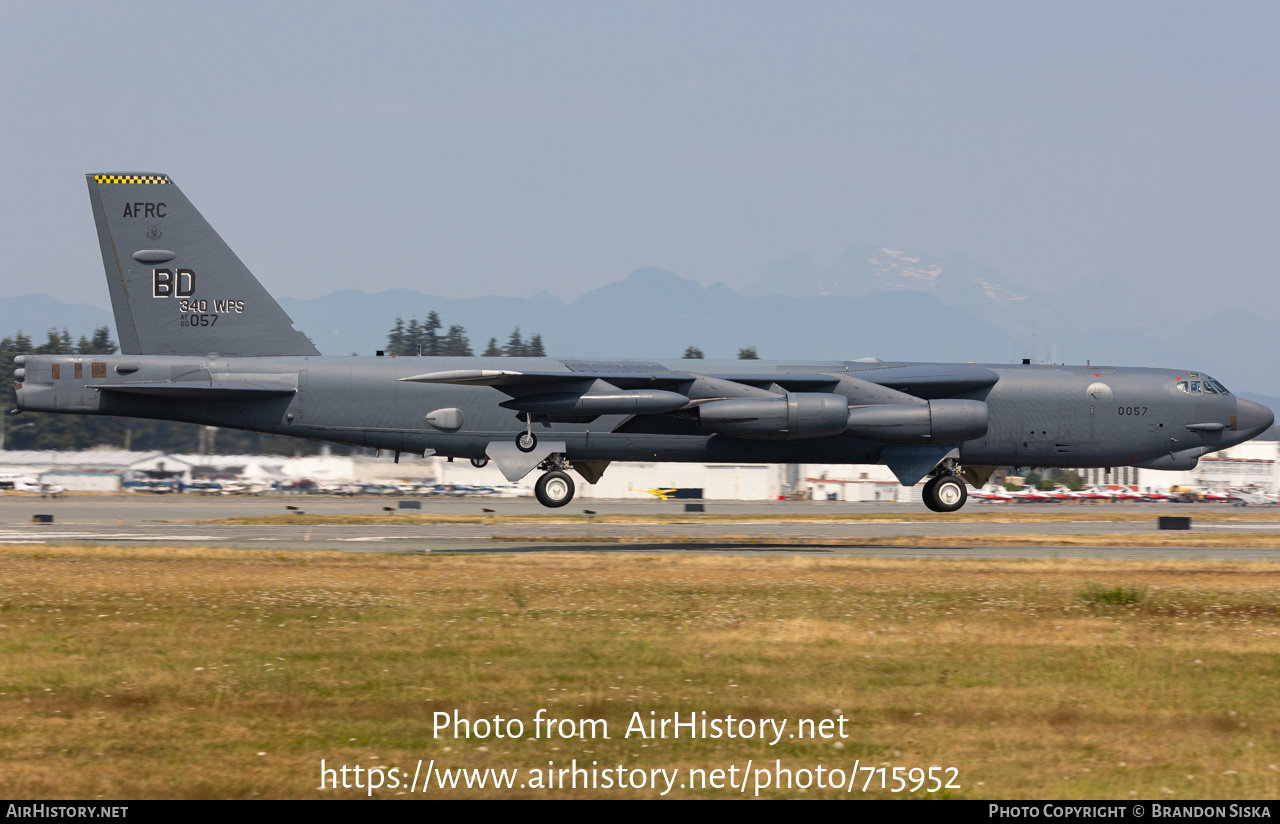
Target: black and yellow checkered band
{"type": "Point", "coordinates": [131, 178]}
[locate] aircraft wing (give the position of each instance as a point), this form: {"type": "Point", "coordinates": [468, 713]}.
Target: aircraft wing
{"type": "Point", "coordinates": [943, 380]}
{"type": "Point", "coordinates": [697, 384]}
{"type": "Point", "coordinates": [509, 379]}
{"type": "Point", "coordinates": [590, 389]}
{"type": "Point", "coordinates": [921, 426]}
{"type": "Point", "coordinates": [577, 395]}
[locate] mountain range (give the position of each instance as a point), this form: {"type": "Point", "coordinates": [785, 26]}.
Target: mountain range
{"type": "Point", "coordinates": [874, 301]}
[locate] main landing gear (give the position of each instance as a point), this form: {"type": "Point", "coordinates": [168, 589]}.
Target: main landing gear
{"type": "Point", "coordinates": [945, 492]}
{"type": "Point", "coordinates": [554, 489]}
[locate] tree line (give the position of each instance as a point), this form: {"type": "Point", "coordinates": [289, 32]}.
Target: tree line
{"type": "Point", "coordinates": [38, 430]}
{"type": "Point", "coordinates": [745, 353]}
{"type": "Point", "coordinates": [425, 338]}
{"type": "Point", "coordinates": [41, 431]}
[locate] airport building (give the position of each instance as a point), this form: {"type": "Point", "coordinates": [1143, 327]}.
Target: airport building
{"type": "Point", "coordinates": [108, 470]}
{"type": "Point", "coordinates": [1121, 476]}
{"type": "Point", "coordinates": [1252, 465]}
{"type": "Point", "coordinates": [844, 482]}
{"type": "Point", "coordinates": [111, 470]}
{"type": "Point", "coordinates": [644, 481]}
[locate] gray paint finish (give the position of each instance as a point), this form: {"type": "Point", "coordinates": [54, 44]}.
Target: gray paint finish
{"type": "Point", "coordinates": [1039, 416]}
{"type": "Point", "coordinates": [249, 369]}
{"type": "Point", "coordinates": [233, 314]}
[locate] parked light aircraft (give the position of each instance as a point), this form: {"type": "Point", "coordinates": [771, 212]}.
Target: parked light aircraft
{"type": "Point", "coordinates": [662, 494]}
{"type": "Point", "coordinates": [1250, 497]}
{"type": "Point", "coordinates": [992, 492]}
{"type": "Point", "coordinates": [19, 483]}
{"type": "Point", "coordinates": [202, 341]}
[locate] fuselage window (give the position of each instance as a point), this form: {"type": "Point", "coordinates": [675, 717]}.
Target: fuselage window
{"type": "Point", "coordinates": [1182, 386]}
{"type": "Point", "coordinates": [1195, 387]}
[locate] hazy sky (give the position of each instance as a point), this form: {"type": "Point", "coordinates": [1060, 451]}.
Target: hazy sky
{"type": "Point", "coordinates": [503, 148]}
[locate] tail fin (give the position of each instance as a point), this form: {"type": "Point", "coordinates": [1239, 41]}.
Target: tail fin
{"type": "Point", "coordinates": [176, 287]}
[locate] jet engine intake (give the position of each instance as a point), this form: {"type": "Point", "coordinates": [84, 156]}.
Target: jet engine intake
{"type": "Point", "coordinates": [794, 415]}
{"type": "Point", "coordinates": [938, 421]}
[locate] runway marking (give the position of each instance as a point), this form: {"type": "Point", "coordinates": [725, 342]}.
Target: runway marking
{"type": "Point", "coordinates": [397, 538]}
{"type": "Point", "coordinates": [1257, 526]}
{"type": "Point", "coordinates": [108, 536]}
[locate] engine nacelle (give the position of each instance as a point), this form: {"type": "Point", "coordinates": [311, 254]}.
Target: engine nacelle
{"type": "Point", "coordinates": [794, 415]}
{"type": "Point", "coordinates": [938, 421]}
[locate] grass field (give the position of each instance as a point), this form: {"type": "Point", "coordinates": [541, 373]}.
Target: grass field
{"type": "Point", "coordinates": [192, 672]}
{"type": "Point", "coordinates": [992, 516]}
{"type": "Point", "coordinates": [1190, 540]}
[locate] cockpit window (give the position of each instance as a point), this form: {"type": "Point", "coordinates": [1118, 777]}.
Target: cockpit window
{"type": "Point", "coordinates": [1206, 386]}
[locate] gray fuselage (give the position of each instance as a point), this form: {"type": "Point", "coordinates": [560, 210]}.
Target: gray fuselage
{"type": "Point", "coordinates": [1039, 415]}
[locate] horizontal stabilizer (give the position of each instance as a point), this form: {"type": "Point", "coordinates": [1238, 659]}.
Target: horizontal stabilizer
{"type": "Point", "coordinates": [208, 390]}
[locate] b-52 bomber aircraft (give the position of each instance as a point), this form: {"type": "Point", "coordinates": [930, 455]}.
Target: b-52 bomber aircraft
{"type": "Point", "coordinates": [202, 341]}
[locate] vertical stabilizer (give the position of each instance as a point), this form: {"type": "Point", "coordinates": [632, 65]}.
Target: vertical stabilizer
{"type": "Point", "coordinates": [176, 287]}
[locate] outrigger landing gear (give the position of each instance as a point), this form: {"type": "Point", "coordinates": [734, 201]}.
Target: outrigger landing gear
{"type": "Point", "coordinates": [945, 492]}
{"type": "Point", "coordinates": [479, 463]}
{"type": "Point", "coordinates": [526, 441]}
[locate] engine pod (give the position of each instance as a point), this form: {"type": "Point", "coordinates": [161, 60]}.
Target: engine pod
{"type": "Point", "coordinates": [794, 415]}
{"type": "Point", "coordinates": [958, 420]}
{"type": "Point", "coordinates": [938, 421]}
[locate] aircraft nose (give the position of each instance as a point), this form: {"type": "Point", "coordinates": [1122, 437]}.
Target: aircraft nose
{"type": "Point", "coordinates": [1252, 419]}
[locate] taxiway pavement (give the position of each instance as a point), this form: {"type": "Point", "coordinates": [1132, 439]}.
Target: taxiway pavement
{"type": "Point", "coordinates": [175, 520]}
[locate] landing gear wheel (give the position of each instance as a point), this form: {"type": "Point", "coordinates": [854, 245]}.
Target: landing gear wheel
{"type": "Point", "coordinates": [945, 493]}
{"type": "Point", "coordinates": [526, 442]}
{"type": "Point", "coordinates": [479, 463]}
{"type": "Point", "coordinates": [554, 489]}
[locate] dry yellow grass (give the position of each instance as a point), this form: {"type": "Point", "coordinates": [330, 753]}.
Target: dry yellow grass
{"type": "Point", "coordinates": [1069, 514]}
{"type": "Point", "coordinates": [154, 672]}
{"type": "Point", "coordinates": [1126, 539]}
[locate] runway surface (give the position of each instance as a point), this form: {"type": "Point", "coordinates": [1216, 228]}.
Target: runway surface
{"type": "Point", "coordinates": [156, 520]}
